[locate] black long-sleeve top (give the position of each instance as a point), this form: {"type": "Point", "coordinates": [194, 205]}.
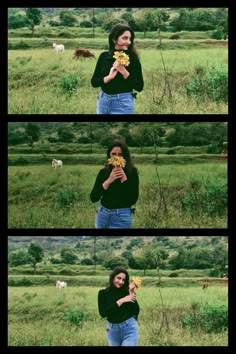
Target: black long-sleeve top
{"type": "Point", "coordinates": [108, 307]}
{"type": "Point", "coordinates": [118, 85]}
{"type": "Point", "coordinates": [118, 195]}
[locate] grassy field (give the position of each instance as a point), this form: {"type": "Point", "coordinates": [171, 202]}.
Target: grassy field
{"type": "Point", "coordinates": [184, 195]}
{"type": "Point", "coordinates": [43, 82]}
{"type": "Point", "coordinates": [46, 316]}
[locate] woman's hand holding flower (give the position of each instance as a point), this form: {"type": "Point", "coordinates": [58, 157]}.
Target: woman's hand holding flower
{"type": "Point", "coordinates": [112, 74]}
{"type": "Point", "coordinates": [131, 288]}
{"type": "Point", "coordinates": [121, 68]}
{"type": "Point", "coordinates": [117, 172]}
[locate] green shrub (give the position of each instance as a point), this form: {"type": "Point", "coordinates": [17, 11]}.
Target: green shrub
{"type": "Point", "coordinates": [19, 45]}
{"type": "Point", "coordinates": [68, 83]}
{"type": "Point", "coordinates": [217, 34]}
{"type": "Point", "coordinates": [66, 198]}
{"type": "Point", "coordinates": [74, 316]}
{"type": "Point", "coordinates": [209, 318]}
{"type": "Point", "coordinates": [173, 275]}
{"type": "Point", "coordinates": [209, 197]}
{"type": "Point", "coordinates": [211, 84]}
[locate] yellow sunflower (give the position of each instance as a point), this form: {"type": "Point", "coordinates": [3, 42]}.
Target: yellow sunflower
{"type": "Point", "coordinates": [137, 282]}
{"type": "Point", "coordinates": [122, 58]}
{"type": "Point", "coordinates": [117, 161]}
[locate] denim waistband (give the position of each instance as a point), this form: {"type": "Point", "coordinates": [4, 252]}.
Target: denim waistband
{"type": "Point", "coordinates": [122, 323]}
{"type": "Point", "coordinates": [114, 210]}
{"type": "Point", "coordinates": [117, 95]}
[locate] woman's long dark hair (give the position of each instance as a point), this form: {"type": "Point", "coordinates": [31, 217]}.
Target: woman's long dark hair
{"type": "Point", "coordinates": [117, 31]}
{"type": "Point", "coordinates": [125, 152]}
{"type": "Point", "coordinates": [118, 270]}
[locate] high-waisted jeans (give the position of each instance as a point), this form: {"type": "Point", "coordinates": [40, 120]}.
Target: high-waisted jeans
{"type": "Point", "coordinates": [123, 334]}
{"type": "Point", "coordinates": [121, 103]}
{"type": "Point", "coordinates": [113, 218]}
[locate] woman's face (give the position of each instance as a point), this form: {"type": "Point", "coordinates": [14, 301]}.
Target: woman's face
{"type": "Point", "coordinates": [116, 151]}
{"type": "Point", "coordinates": [123, 41]}
{"type": "Point", "coordinates": [119, 280]}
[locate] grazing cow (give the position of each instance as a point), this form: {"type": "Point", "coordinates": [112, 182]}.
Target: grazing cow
{"type": "Point", "coordinates": [61, 284]}
{"type": "Point", "coordinates": [204, 286]}
{"type": "Point", "coordinates": [84, 53]}
{"type": "Point", "coordinates": [56, 163]}
{"type": "Point", "coordinates": [58, 47]}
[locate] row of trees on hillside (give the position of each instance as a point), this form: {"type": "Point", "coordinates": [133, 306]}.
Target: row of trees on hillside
{"type": "Point", "coordinates": [140, 135]}
{"type": "Point", "coordinates": [149, 256]}
{"type": "Point", "coordinates": [146, 19]}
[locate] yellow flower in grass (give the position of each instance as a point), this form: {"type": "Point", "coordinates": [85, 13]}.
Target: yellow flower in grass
{"type": "Point", "coordinates": [122, 58]}
{"type": "Point", "coordinates": [117, 161]}
{"type": "Point", "coordinates": [137, 282]}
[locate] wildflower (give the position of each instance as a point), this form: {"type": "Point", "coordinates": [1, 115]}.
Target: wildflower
{"type": "Point", "coordinates": [137, 282]}
{"type": "Point", "coordinates": [122, 58]}
{"type": "Point", "coordinates": [117, 161]}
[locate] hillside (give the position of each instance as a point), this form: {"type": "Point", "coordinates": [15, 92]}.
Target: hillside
{"type": "Point", "coordinates": [120, 243]}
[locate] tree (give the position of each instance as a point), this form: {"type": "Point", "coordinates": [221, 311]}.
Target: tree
{"type": "Point", "coordinates": [116, 261]}
{"type": "Point", "coordinates": [17, 21]}
{"type": "Point", "coordinates": [68, 256]}
{"type": "Point", "coordinates": [156, 132]}
{"type": "Point", "coordinates": [219, 257]}
{"type": "Point", "coordinates": [34, 16]}
{"type": "Point", "coordinates": [16, 137]}
{"type": "Point", "coordinates": [19, 257]}
{"type": "Point", "coordinates": [162, 17]}
{"type": "Point", "coordinates": [36, 252]}
{"type": "Point", "coordinates": [146, 21]}
{"type": "Point", "coordinates": [179, 23]}
{"type": "Point", "coordinates": [67, 19]}
{"type": "Point", "coordinates": [33, 133]}
{"type": "Point", "coordinates": [65, 134]}
{"type": "Point", "coordinates": [221, 20]}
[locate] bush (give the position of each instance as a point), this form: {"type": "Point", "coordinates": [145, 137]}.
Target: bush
{"type": "Point", "coordinates": [19, 45]}
{"type": "Point", "coordinates": [87, 261]}
{"type": "Point", "coordinates": [210, 318]}
{"type": "Point", "coordinates": [68, 83]}
{"type": "Point", "coordinates": [74, 316]}
{"type": "Point", "coordinates": [174, 36]}
{"type": "Point", "coordinates": [66, 198]}
{"type": "Point", "coordinates": [173, 275]}
{"type": "Point", "coordinates": [209, 198]}
{"type": "Point", "coordinates": [212, 84]}
{"type": "Point", "coordinates": [217, 34]}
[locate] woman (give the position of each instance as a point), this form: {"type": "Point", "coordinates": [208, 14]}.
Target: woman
{"type": "Point", "coordinates": [118, 81]}
{"type": "Point", "coordinates": [117, 188]}
{"type": "Point", "coordinates": [119, 305]}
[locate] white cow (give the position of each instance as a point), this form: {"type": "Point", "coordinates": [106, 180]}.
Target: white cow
{"type": "Point", "coordinates": [61, 284]}
{"type": "Point", "coordinates": [58, 47]}
{"type": "Point", "coordinates": [56, 163]}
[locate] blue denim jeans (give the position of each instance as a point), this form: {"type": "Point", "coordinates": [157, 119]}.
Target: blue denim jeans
{"type": "Point", "coordinates": [122, 103]}
{"type": "Point", "coordinates": [113, 218]}
{"type": "Point", "coordinates": [123, 334]}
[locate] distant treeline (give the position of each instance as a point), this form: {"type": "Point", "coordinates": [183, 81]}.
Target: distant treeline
{"type": "Point", "coordinates": [143, 134]}
{"type": "Point", "coordinates": [140, 19]}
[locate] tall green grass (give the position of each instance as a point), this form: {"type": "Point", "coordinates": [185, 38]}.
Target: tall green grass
{"type": "Point", "coordinates": [35, 76]}
{"type": "Point", "coordinates": [46, 316]}
{"type": "Point", "coordinates": [42, 197]}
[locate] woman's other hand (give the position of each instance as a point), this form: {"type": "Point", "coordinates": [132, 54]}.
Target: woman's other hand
{"type": "Point", "coordinates": [121, 68]}
{"type": "Point", "coordinates": [131, 288]}
{"type": "Point", "coordinates": [128, 298]}
{"type": "Point", "coordinates": [117, 172]}
{"type": "Point", "coordinates": [113, 72]}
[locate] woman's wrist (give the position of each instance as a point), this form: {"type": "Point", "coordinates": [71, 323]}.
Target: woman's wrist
{"type": "Point", "coordinates": [119, 302]}
{"type": "Point", "coordinates": [125, 74]}
{"type": "Point", "coordinates": [106, 184]}
{"type": "Point", "coordinates": [106, 79]}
